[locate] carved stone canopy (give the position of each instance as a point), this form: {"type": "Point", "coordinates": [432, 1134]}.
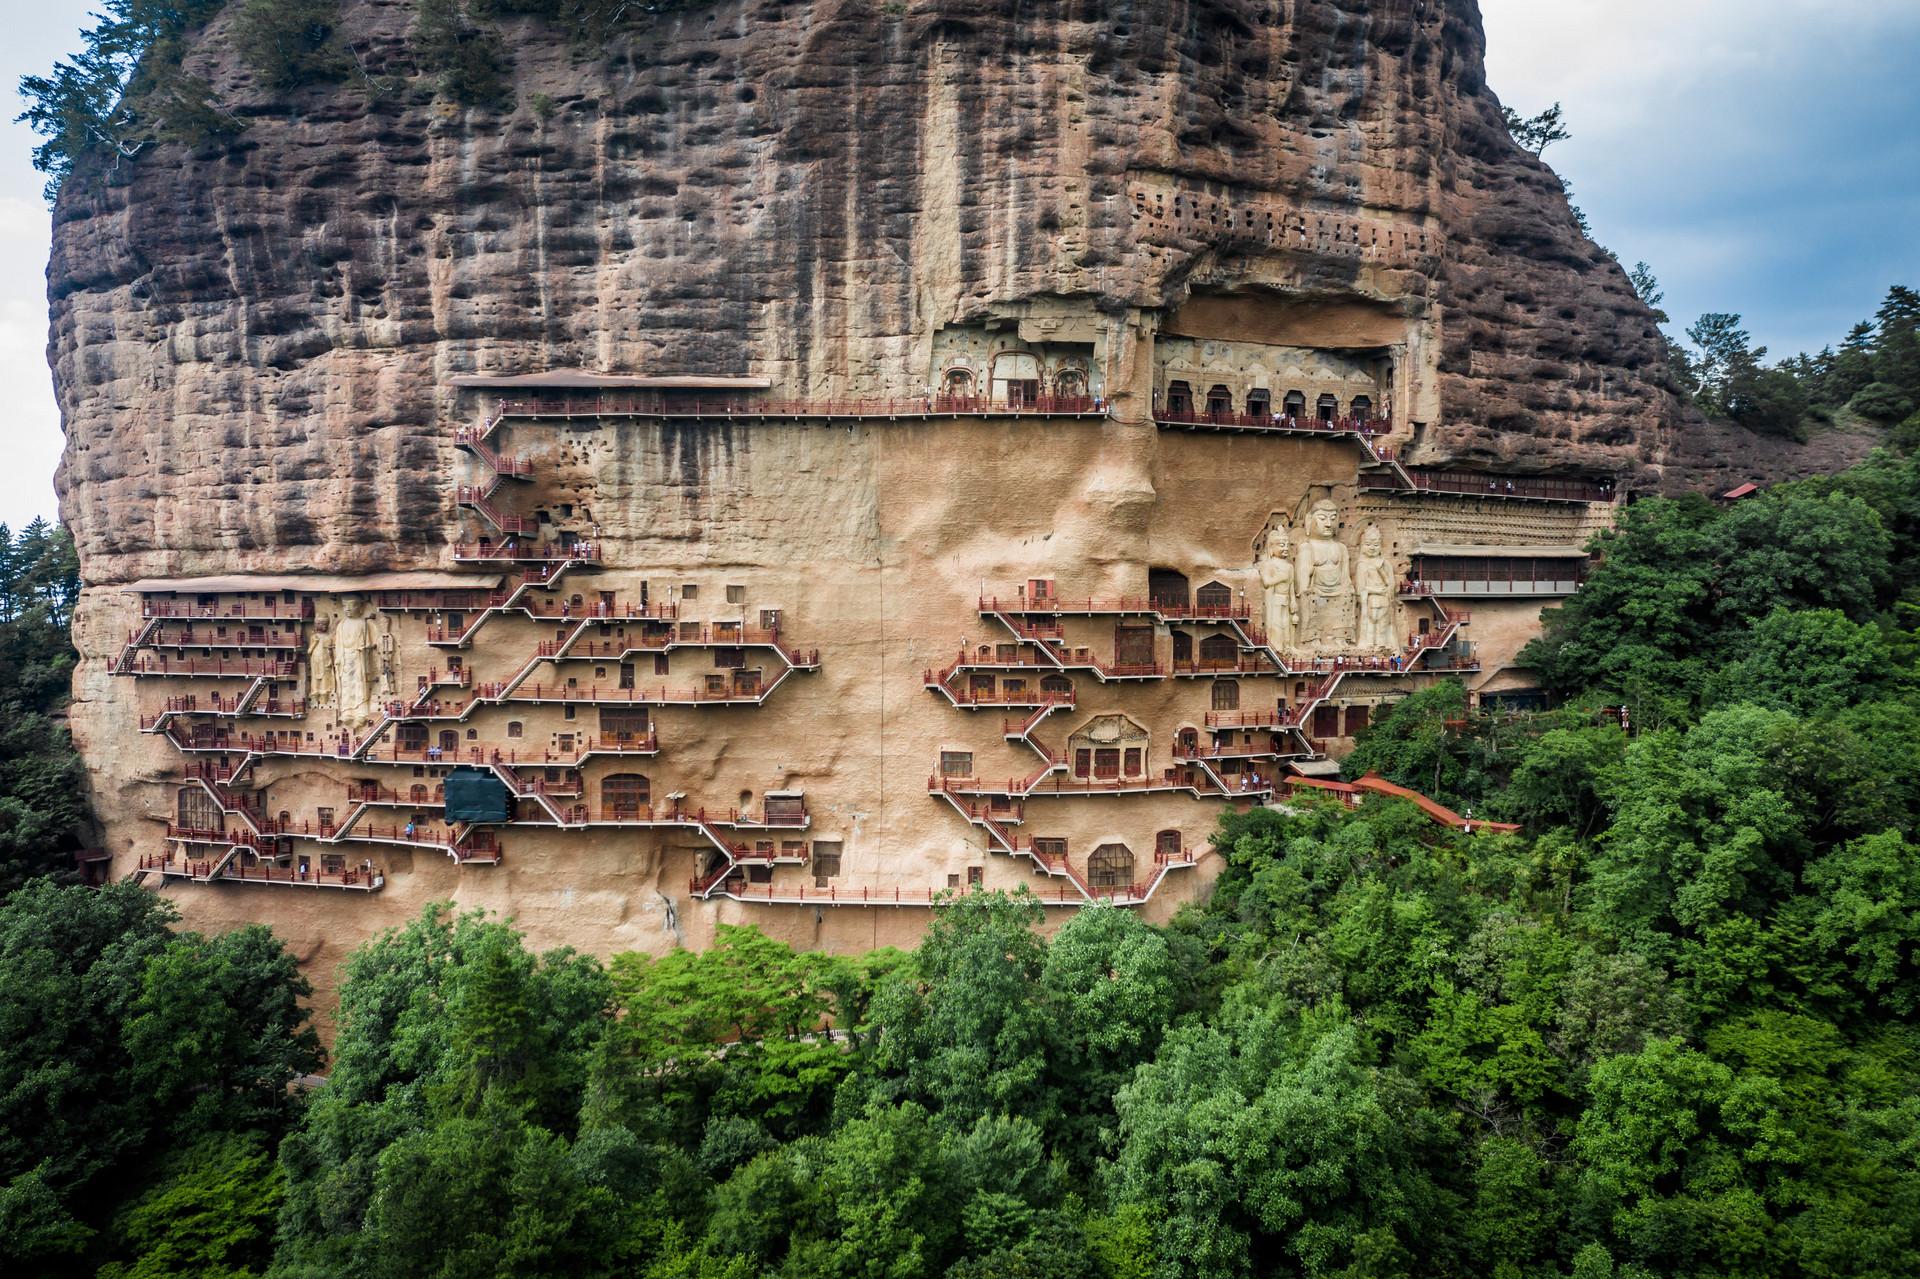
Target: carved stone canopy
{"type": "Point", "coordinates": [1106, 730]}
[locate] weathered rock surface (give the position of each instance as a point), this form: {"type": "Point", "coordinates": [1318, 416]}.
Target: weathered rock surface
{"type": "Point", "coordinates": [254, 345]}
{"type": "Point", "coordinates": [251, 340]}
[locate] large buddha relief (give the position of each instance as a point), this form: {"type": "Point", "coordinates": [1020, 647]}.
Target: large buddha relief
{"type": "Point", "coordinates": [1323, 583]}
{"type": "Point", "coordinates": [1320, 595]}
{"type": "Point", "coordinates": [1374, 592]}
{"type": "Point", "coordinates": [356, 663]}
{"type": "Point", "coordinates": [1280, 612]}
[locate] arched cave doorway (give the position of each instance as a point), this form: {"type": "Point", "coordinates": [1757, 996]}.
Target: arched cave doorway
{"type": "Point", "coordinates": [625, 796]}
{"type": "Point", "coordinates": [1166, 586]}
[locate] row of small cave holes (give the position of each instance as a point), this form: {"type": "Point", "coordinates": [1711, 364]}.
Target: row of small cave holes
{"type": "Point", "coordinates": [1342, 232]}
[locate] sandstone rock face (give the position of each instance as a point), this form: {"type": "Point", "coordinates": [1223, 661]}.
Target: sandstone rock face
{"type": "Point", "coordinates": [256, 347]}
{"type": "Point", "coordinates": [251, 342]}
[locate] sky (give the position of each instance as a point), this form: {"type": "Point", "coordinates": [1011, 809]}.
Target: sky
{"type": "Point", "coordinates": [1763, 156]}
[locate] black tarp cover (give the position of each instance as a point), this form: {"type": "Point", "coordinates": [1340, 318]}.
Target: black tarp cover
{"type": "Point", "coordinates": [475, 795]}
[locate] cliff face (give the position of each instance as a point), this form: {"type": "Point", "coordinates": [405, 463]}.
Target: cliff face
{"type": "Point", "coordinates": [252, 341]}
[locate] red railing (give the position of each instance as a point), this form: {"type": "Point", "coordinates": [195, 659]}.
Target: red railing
{"type": "Point", "coordinates": [553, 551]}
{"type": "Point", "coordinates": [214, 667]}
{"type": "Point", "coordinates": [265, 873]}
{"type": "Point", "coordinates": [511, 467]}
{"type": "Point", "coordinates": [1535, 487]}
{"type": "Point", "coordinates": [1171, 610]}
{"type": "Point", "coordinates": [478, 499]}
{"type": "Point", "coordinates": [217, 774]}
{"type": "Point", "coordinates": [618, 696]}
{"type": "Point", "coordinates": [717, 634]}
{"type": "Point", "coordinates": [199, 834]}
{"type": "Point", "coordinates": [1048, 703]}
{"type": "Point", "coordinates": [374, 793]}
{"type": "Point", "coordinates": [656, 405]}
{"type": "Point", "coordinates": [244, 610]}
{"type": "Point", "coordinates": [188, 638]}
{"type": "Point", "coordinates": [459, 601]}
{"type": "Point", "coordinates": [1270, 717]}
{"type": "Point", "coordinates": [364, 875]}
{"type": "Point", "coordinates": [1239, 665]}
{"type": "Point", "coordinates": [1272, 421]}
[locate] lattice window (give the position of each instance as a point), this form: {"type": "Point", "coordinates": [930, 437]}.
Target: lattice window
{"type": "Point", "coordinates": [625, 796]}
{"type": "Point", "coordinates": [623, 723]}
{"type": "Point", "coordinates": [1110, 866]}
{"type": "Point", "coordinates": [956, 763]}
{"type": "Point", "coordinates": [198, 811]}
{"type": "Point", "coordinates": [1226, 695]}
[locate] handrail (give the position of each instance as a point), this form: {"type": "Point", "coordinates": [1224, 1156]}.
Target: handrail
{"type": "Point", "coordinates": [658, 405]}
{"type": "Point", "coordinates": [1535, 487]}
{"type": "Point", "coordinates": [1273, 421]}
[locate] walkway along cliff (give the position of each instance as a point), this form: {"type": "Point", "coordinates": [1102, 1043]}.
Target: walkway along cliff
{"type": "Point", "coordinates": [807, 456]}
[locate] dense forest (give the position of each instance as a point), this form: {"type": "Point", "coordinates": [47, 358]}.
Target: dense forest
{"type": "Point", "coordinates": [42, 802]}
{"type": "Point", "coordinates": [1666, 1030]}
{"type": "Point", "coordinates": [1872, 378]}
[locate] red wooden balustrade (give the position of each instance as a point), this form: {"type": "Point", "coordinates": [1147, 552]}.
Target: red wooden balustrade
{"type": "Point", "coordinates": [655, 405]}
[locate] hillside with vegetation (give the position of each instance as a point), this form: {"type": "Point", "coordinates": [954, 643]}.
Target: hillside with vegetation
{"type": "Point", "coordinates": [1668, 1029]}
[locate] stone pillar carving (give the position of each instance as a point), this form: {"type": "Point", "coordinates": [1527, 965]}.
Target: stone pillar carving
{"type": "Point", "coordinates": [1281, 616]}
{"type": "Point", "coordinates": [1322, 583]}
{"type": "Point", "coordinates": [1373, 584]}
{"type": "Point", "coordinates": [356, 655]}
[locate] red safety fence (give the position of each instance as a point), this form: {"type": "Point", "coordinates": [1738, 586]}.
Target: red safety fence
{"type": "Point", "coordinates": [655, 405]}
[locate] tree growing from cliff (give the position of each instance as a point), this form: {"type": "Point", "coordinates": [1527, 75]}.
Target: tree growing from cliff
{"type": "Point", "coordinates": [1537, 132]}
{"type": "Point", "coordinates": [453, 39]}
{"type": "Point", "coordinates": [123, 90]}
{"type": "Point", "coordinates": [290, 42]}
